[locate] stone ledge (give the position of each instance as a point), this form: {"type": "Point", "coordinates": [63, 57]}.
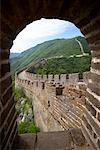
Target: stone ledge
{"type": "Point", "coordinates": [62, 140]}
{"type": "Point", "coordinates": [25, 142]}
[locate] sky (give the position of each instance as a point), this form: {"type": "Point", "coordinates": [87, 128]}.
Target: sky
{"type": "Point", "coordinates": [43, 30]}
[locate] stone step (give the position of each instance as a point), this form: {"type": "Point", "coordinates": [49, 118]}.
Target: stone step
{"type": "Point", "coordinates": [62, 140]}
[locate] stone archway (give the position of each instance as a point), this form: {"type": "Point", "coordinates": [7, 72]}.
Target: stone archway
{"type": "Point", "coordinates": [15, 15]}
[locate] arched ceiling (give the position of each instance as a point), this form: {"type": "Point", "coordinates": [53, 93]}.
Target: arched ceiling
{"type": "Point", "coordinates": [16, 14]}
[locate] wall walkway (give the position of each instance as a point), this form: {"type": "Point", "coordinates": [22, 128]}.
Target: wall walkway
{"type": "Point", "coordinates": [58, 102]}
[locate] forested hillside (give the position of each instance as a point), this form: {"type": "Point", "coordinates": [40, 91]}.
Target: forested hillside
{"type": "Point", "coordinates": [49, 49]}
{"type": "Point", "coordinates": [63, 66]}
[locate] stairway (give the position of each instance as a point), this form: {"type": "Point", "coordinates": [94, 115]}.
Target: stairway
{"type": "Point", "coordinates": [71, 139]}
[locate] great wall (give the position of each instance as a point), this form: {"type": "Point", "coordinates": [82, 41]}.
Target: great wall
{"type": "Point", "coordinates": [58, 100]}
{"type": "Point", "coordinates": [15, 15]}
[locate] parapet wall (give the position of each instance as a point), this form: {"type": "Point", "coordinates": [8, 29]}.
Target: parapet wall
{"type": "Point", "coordinates": [56, 106]}
{"type": "Point", "coordinates": [62, 78]}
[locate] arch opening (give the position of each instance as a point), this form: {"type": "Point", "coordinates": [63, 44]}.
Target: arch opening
{"type": "Point", "coordinates": [59, 45]}
{"type": "Point", "coordinates": [87, 21]}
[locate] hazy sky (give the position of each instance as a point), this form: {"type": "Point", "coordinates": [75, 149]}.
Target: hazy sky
{"type": "Point", "coordinates": [43, 30]}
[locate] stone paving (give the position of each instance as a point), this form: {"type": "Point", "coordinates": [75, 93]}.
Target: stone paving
{"type": "Point", "coordinates": [71, 139]}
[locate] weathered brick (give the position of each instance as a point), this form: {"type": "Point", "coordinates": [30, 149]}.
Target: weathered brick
{"type": "Point", "coordinates": [89, 140]}
{"type": "Point", "coordinates": [91, 109]}
{"type": "Point", "coordinates": [95, 88]}
{"type": "Point", "coordinates": [4, 54]}
{"type": "Point", "coordinates": [94, 52]}
{"type": "Point", "coordinates": [2, 135]}
{"type": "Point", "coordinates": [7, 96]}
{"type": "Point", "coordinates": [6, 139]}
{"type": "Point", "coordinates": [91, 26]}
{"type": "Point", "coordinates": [83, 22]}
{"type": "Point", "coordinates": [95, 66]}
{"type": "Point", "coordinates": [11, 116]}
{"type": "Point", "coordinates": [4, 114]}
{"type": "Point", "coordinates": [13, 134]}
{"type": "Point", "coordinates": [98, 142]}
{"type": "Point", "coordinates": [77, 136]}
{"type": "Point", "coordinates": [95, 49]}
{"type": "Point", "coordinates": [94, 136]}
{"type": "Point", "coordinates": [93, 38]}
{"type": "Point", "coordinates": [87, 125]}
{"type": "Point", "coordinates": [93, 123]}
{"type": "Point", "coordinates": [93, 100]}
{"type": "Point", "coordinates": [98, 116]}
{"type": "Point", "coordinates": [6, 43]}
{"type": "Point", "coordinates": [5, 83]}
{"type": "Point", "coordinates": [95, 78]}
{"type": "Point", "coordinates": [4, 69]}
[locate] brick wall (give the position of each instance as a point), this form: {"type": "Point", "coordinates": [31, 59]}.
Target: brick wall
{"type": "Point", "coordinates": [8, 126]}
{"type": "Point", "coordinates": [91, 122]}
{"type": "Point", "coordinates": [62, 78]}
{"type": "Point", "coordinates": [56, 107]}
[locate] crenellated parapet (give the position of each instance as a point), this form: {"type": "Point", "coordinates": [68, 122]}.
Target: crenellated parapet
{"type": "Point", "coordinates": [58, 100]}
{"type": "Point", "coordinates": [58, 82]}
{"type": "Point", "coordinates": [62, 78]}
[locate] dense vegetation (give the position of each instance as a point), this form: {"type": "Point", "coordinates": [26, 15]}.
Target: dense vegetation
{"type": "Point", "coordinates": [58, 47]}
{"type": "Point", "coordinates": [63, 65]}
{"type": "Point", "coordinates": [27, 127]}
{"type": "Point", "coordinates": [24, 112]}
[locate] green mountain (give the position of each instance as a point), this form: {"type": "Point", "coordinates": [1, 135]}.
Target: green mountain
{"type": "Point", "coordinates": [49, 49]}
{"type": "Point", "coordinates": [63, 65]}
{"type": "Point", "coordinates": [13, 55]}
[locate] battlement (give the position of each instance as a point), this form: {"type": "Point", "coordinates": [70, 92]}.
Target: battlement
{"type": "Point", "coordinates": [55, 88]}
{"type": "Point", "coordinates": [62, 78]}
{"type": "Point", "coordinates": [54, 82]}
{"type": "Point", "coordinates": [62, 105]}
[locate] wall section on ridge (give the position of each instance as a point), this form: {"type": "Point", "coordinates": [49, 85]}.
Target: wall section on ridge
{"type": "Point", "coordinates": [15, 15]}
{"type": "Point", "coordinates": [56, 107]}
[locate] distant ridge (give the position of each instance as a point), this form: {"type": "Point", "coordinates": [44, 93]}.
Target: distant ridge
{"type": "Point", "coordinates": [13, 55]}
{"type": "Point", "coordinates": [52, 48]}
